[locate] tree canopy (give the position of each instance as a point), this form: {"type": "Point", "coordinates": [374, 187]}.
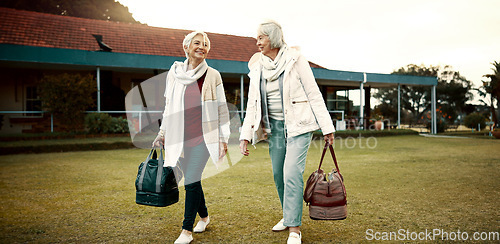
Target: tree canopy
{"type": "Point", "coordinates": [452, 91]}
{"type": "Point", "coordinates": [67, 96]}
{"type": "Point", "coordinates": [492, 88]}
{"type": "Point", "coordinates": [90, 9]}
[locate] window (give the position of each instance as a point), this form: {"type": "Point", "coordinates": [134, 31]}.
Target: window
{"type": "Point", "coordinates": [33, 102]}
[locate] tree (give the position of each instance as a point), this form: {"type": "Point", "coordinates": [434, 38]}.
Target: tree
{"type": "Point", "coordinates": [67, 96]}
{"type": "Point", "coordinates": [90, 9]}
{"type": "Point", "coordinates": [474, 119]}
{"type": "Point", "coordinates": [492, 88]}
{"type": "Point", "coordinates": [386, 111]}
{"type": "Point", "coordinates": [452, 91]}
{"type": "Point", "coordinates": [414, 99]}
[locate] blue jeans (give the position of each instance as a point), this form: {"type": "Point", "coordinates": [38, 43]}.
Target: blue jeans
{"type": "Point", "coordinates": [288, 157]}
{"type": "Point", "coordinates": [193, 164]}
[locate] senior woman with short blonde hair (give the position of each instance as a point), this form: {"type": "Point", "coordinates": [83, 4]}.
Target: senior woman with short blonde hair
{"type": "Point", "coordinates": [284, 103]}
{"type": "Point", "coordinates": [196, 123]}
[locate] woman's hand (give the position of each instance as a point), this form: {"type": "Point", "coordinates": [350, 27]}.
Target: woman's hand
{"type": "Point", "coordinates": [222, 149]}
{"type": "Point", "coordinates": [158, 142]}
{"type": "Point", "coordinates": [243, 147]}
{"type": "Point", "coordinates": [329, 138]}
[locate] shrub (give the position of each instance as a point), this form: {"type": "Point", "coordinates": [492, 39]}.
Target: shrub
{"type": "Point", "coordinates": [473, 119]}
{"type": "Point", "coordinates": [97, 123]}
{"type": "Point", "coordinates": [441, 125]}
{"type": "Point", "coordinates": [119, 125]}
{"type": "Point", "coordinates": [67, 96]}
{"type": "Point", "coordinates": [103, 123]}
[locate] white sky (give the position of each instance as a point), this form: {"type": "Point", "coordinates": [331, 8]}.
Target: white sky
{"type": "Point", "coordinates": [359, 35]}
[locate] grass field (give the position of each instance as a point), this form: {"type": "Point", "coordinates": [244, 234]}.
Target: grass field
{"type": "Point", "coordinates": [402, 182]}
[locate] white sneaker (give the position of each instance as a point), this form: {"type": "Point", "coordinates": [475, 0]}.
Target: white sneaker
{"type": "Point", "coordinates": [279, 226]}
{"type": "Point", "coordinates": [200, 227]}
{"type": "Point", "coordinates": [294, 238]}
{"type": "Point", "coordinates": [184, 239]}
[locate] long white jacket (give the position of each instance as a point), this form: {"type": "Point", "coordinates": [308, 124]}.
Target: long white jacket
{"type": "Point", "coordinates": [303, 105]}
{"type": "Point", "coordinates": [215, 117]}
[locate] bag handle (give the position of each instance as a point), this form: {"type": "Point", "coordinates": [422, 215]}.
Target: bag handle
{"type": "Point", "coordinates": [141, 177]}
{"type": "Point", "coordinates": [159, 171]}
{"type": "Point", "coordinates": [327, 145]}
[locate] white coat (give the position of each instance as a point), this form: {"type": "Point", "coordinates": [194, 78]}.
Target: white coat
{"type": "Point", "coordinates": [303, 105]}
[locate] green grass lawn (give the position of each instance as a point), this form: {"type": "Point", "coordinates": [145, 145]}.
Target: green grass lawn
{"type": "Point", "coordinates": [402, 182]}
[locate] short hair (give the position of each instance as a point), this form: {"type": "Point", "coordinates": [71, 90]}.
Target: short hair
{"type": "Point", "coordinates": [273, 30]}
{"type": "Point", "coordinates": [189, 38]}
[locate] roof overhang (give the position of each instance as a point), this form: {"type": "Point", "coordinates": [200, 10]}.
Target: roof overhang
{"type": "Point", "coordinates": [110, 60]}
{"type": "Point", "coordinates": [83, 59]}
{"type": "Point", "coordinates": [352, 80]}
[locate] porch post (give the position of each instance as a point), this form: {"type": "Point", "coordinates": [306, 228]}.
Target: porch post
{"type": "Point", "coordinates": [361, 105]}
{"type": "Point", "coordinates": [399, 106]}
{"type": "Point", "coordinates": [242, 93]}
{"type": "Point", "coordinates": [98, 78]}
{"type": "Point", "coordinates": [433, 106]}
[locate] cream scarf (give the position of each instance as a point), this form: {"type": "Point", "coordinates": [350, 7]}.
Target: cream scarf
{"type": "Point", "coordinates": [271, 69]}
{"type": "Point", "coordinates": [175, 121]}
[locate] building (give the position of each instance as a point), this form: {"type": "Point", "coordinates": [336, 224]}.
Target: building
{"type": "Point", "coordinates": [122, 55]}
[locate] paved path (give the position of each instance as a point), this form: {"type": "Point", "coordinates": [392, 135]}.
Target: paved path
{"type": "Point", "coordinates": [428, 135]}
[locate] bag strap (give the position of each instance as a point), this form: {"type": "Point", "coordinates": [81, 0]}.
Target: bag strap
{"type": "Point", "coordinates": [327, 145]}
{"type": "Point", "coordinates": [143, 171]}
{"type": "Point", "coordinates": [159, 171]}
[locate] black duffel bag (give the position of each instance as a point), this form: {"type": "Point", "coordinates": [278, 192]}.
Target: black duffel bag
{"type": "Point", "coordinates": [156, 185]}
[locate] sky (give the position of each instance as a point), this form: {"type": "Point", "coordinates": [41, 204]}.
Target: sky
{"type": "Point", "coordinates": [377, 36]}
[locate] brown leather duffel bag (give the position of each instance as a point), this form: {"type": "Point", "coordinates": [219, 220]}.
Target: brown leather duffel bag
{"type": "Point", "coordinates": [325, 194]}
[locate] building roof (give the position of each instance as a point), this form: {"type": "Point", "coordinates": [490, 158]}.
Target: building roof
{"type": "Point", "coordinates": [28, 28]}
{"type": "Point", "coordinates": [32, 37]}
{"type": "Point", "coordinates": [47, 30]}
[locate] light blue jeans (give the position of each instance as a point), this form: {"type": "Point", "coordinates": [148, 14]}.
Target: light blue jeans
{"type": "Point", "coordinates": [288, 157]}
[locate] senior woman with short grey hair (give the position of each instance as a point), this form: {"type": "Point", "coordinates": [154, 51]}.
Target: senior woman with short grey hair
{"type": "Point", "coordinates": [196, 123]}
{"type": "Point", "coordinates": [284, 104]}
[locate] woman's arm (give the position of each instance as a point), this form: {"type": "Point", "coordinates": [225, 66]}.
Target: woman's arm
{"type": "Point", "coordinates": [246, 128]}
{"type": "Point", "coordinates": [223, 113]}
{"type": "Point", "coordinates": [248, 123]}
{"type": "Point", "coordinates": [314, 95]}
{"type": "Point", "coordinates": [160, 138]}
{"type": "Point", "coordinates": [223, 118]}
{"type": "Point", "coordinates": [169, 80]}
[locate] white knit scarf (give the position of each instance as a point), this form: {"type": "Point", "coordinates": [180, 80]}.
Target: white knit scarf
{"type": "Point", "coordinates": [273, 68]}
{"type": "Point", "coordinates": [175, 122]}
